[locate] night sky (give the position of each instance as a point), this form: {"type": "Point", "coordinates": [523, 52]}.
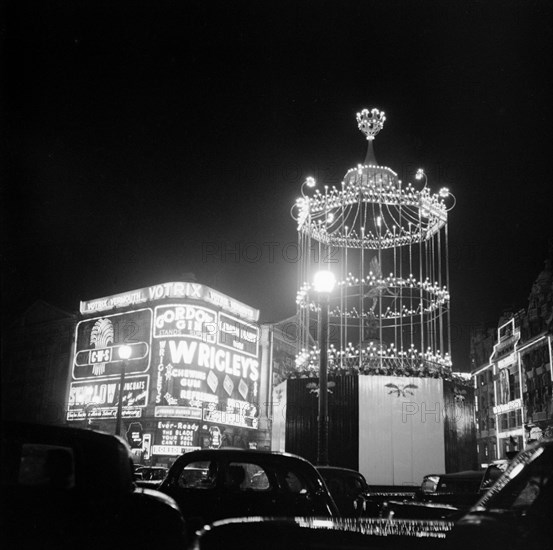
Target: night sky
{"type": "Point", "coordinates": [141, 135]}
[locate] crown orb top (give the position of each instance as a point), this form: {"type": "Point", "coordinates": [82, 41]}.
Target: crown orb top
{"type": "Point", "coordinates": [370, 122]}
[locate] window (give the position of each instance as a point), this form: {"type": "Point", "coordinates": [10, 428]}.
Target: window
{"type": "Point", "coordinates": [198, 475]}
{"type": "Point", "coordinates": [293, 483]}
{"type": "Point", "coordinates": [246, 476]}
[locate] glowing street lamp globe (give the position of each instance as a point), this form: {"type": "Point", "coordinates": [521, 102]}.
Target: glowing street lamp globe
{"type": "Point", "coordinates": [324, 282]}
{"type": "Point", "coordinates": [125, 352]}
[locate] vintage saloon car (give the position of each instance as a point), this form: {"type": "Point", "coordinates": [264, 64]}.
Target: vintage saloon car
{"type": "Point", "coordinates": [69, 488]}
{"type": "Point", "coordinates": [348, 488]}
{"type": "Point", "coordinates": [517, 511]}
{"type": "Point", "coordinates": [222, 483]}
{"type": "Point", "coordinates": [444, 496]}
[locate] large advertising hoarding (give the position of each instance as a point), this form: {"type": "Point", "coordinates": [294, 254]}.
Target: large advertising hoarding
{"type": "Point", "coordinates": [206, 366]}
{"type": "Point", "coordinates": [94, 391]}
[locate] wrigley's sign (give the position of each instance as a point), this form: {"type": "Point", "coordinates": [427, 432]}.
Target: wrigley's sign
{"type": "Point", "coordinates": [162, 291]}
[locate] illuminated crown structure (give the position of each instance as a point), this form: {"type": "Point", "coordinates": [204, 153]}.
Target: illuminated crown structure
{"type": "Point", "coordinates": [387, 245]}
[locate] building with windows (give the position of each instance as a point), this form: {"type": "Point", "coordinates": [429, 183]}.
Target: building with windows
{"type": "Point", "coordinates": [513, 378]}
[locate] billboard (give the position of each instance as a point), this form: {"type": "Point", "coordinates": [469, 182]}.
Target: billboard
{"type": "Point", "coordinates": [99, 398]}
{"type": "Point", "coordinates": [98, 341]}
{"type": "Point", "coordinates": [96, 370]}
{"type": "Point", "coordinates": [206, 366]}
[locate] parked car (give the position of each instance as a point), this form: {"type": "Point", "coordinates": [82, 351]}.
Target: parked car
{"type": "Point", "coordinates": [69, 488]}
{"type": "Point", "coordinates": [348, 488]}
{"type": "Point", "coordinates": [222, 483]}
{"type": "Point", "coordinates": [517, 512]}
{"type": "Point", "coordinates": [445, 495]}
{"type": "Point", "coordinates": [150, 476]}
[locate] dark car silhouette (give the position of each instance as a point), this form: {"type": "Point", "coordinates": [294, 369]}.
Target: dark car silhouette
{"type": "Point", "coordinates": [69, 488]}
{"type": "Point", "coordinates": [209, 485]}
{"type": "Point", "coordinates": [517, 511]}
{"type": "Point", "coordinates": [348, 488]}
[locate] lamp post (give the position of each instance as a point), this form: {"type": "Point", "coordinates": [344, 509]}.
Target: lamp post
{"type": "Point", "coordinates": [324, 284]}
{"type": "Point", "coordinates": [124, 354]}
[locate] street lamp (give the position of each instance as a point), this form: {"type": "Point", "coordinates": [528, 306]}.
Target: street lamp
{"type": "Point", "coordinates": [124, 354]}
{"type": "Point", "coordinates": [324, 284]}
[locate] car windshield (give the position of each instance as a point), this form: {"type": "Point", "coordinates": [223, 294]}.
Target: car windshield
{"type": "Point", "coordinates": [339, 483]}
{"type": "Point", "coordinates": [523, 482]}
{"type": "Point", "coordinates": [459, 484]}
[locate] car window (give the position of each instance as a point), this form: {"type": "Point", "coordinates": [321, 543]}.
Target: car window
{"type": "Point", "coordinates": [47, 465]}
{"type": "Point", "coordinates": [452, 485]}
{"type": "Point", "coordinates": [246, 476]}
{"type": "Point", "coordinates": [354, 484]}
{"type": "Point", "coordinates": [292, 482]}
{"type": "Point", "coordinates": [155, 474]}
{"type": "Point", "coordinates": [529, 492]}
{"type": "Point", "coordinates": [335, 486]}
{"type": "Point", "coordinates": [198, 475]}
{"type": "Point", "coordinates": [430, 484]}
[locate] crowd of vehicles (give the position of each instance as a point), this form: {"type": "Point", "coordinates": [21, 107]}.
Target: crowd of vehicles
{"type": "Point", "coordinates": [71, 488]}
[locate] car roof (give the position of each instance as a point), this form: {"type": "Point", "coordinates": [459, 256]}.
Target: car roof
{"type": "Point", "coordinates": [469, 474]}
{"type": "Point", "coordinates": [338, 469]}
{"type": "Point", "coordinates": [102, 460]}
{"type": "Point", "coordinates": [242, 455]}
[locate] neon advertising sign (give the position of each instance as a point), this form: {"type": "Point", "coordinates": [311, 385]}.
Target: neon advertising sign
{"type": "Point", "coordinates": [181, 290]}
{"type": "Point", "coordinates": [94, 391]}
{"type": "Point", "coordinates": [206, 364]}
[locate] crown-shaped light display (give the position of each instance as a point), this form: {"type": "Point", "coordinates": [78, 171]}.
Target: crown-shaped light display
{"type": "Point", "coordinates": [370, 122]}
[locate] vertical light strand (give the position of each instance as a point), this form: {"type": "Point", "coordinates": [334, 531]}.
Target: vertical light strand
{"type": "Point", "coordinates": [401, 286]}
{"type": "Point", "coordinates": [381, 282]}
{"type": "Point", "coordinates": [341, 307]}
{"type": "Point", "coordinates": [448, 290]}
{"type": "Point", "coordinates": [346, 312]}
{"type": "Point", "coordinates": [421, 305]}
{"type": "Point", "coordinates": [440, 286]}
{"type": "Point", "coordinates": [361, 268]}
{"type": "Point", "coordinates": [395, 285]}
{"type": "Point", "coordinates": [411, 316]}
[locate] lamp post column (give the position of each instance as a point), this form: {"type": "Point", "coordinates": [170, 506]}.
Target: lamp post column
{"type": "Point", "coordinates": [324, 284]}
{"type": "Point", "coordinates": [322, 448]}
{"type": "Point", "coordinates": [120, 403]}
{"type": "Point", "coordinates": [124, 353]}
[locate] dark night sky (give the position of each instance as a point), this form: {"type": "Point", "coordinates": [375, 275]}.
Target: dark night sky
{"type": "Point", "coordinates": [138, 132]}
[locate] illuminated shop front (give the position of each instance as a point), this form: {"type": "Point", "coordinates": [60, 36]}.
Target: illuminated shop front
{"type": "Point", "coordinates": [508, 396]}
{"type": "Point", "coordinates": [192, 380]}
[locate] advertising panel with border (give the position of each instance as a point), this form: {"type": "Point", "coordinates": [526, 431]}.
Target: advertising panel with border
{"type": "Point", "coordinates": [98, 341]}
{"type": "Point", "coordinates": [99, 398]}
{"type": "Point", "coordinates": [206, 377]}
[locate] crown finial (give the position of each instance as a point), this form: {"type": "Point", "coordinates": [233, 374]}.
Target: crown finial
{"type": "Point", "coordinates": [370, 122]}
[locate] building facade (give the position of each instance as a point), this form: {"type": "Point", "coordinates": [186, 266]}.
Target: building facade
{"type": "Point", "coordinates": [193, 379]}
{"type": "Point", "coordinates": [513, 378]}
{"type": "Point", "coordinates": [36, 352]}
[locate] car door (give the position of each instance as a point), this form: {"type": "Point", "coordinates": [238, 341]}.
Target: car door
{"type": "Point", "coordinates": [196, 486]}
{"type": "Point", "coordinates": [248, 489]}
